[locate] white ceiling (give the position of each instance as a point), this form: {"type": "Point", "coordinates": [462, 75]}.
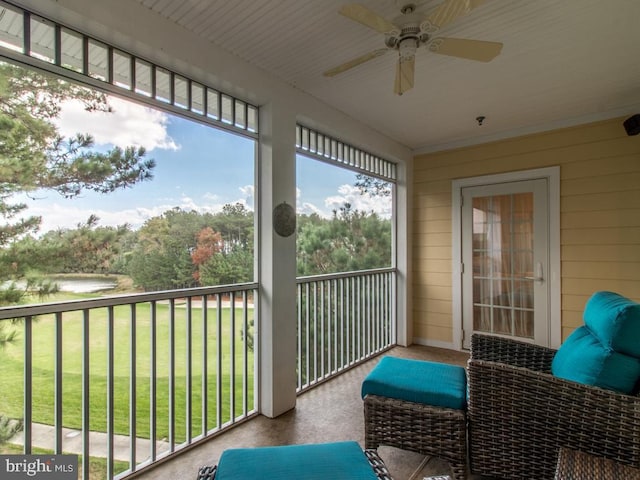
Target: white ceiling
{"type": "Point", "coordinates": [564, 62]}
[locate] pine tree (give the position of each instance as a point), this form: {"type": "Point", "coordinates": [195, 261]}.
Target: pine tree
{"type": "Point", "coordinates": [34, 156]}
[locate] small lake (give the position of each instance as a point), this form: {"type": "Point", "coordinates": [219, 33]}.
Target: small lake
{"type": "Point", "coordinates": [84, 284]}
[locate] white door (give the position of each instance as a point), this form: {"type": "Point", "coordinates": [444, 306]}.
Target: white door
{"type": "Point", "coordinates": [505, 260]}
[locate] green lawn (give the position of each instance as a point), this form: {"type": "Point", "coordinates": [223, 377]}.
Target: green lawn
{"type": "Point", "coordinates": [12, 384]}
{"type": "Point", "coordinates": [97, 466]}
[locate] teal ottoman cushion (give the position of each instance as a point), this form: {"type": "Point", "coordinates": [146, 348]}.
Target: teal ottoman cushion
{"type": "Point", "coordinates": [582, 358]}
{"type": "Point", "coordinates": [340, 460]}
{"type": "Point", "coordinates": [430, 383]}
{"type": "Point", "coordinates": [615, 320]}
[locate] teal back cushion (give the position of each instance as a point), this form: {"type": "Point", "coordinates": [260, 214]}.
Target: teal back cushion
{"type": "Point", "coordinates": [615, 320]}
{"type": "Point", "coordinates": [304, 462]}
{"type": "Point", "coordinates": [582, 358]}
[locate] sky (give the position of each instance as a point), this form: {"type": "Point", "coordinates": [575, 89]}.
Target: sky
{"type": "Point", "coordinates": [197, 168]}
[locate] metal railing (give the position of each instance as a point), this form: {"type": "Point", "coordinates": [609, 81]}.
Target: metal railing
{"type": "Point", "coordinates": [343, 319]}
{"type": "Point", "coordinates": [156, 372]}
{"type": "Point", "coordinates": [137, 378]}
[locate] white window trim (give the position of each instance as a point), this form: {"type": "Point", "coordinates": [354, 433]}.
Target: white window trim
{"type": "Point", "coordinates": [552, 175]}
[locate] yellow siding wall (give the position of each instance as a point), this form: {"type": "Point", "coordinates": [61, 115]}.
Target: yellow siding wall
{"type": "Point", "coordinates": [599, 219]}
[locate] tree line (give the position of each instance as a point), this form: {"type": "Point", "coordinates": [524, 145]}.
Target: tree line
{"type": "Point", "coordinates": [183, 249]}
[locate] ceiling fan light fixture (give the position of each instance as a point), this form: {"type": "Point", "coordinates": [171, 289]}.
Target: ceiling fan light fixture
{"type": "Point", "coordinates": [407, 48]}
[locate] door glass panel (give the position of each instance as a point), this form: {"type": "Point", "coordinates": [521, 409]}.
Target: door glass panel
{"type": "Point", "coordinates": [481, 319]}
{"type": "Point", "coordinates": [503, 272]}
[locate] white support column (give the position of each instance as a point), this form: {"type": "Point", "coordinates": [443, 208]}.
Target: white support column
{"type": "Point", "coordinates": [277, 269]}
{"type": "Point", "coordinates": [404, 307]}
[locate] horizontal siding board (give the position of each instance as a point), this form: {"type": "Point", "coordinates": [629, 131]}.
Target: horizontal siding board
{"type": "Point", "coordinates": [437, 253]}
{"type": "Point", "coordinates": [436, 292]}
{"type": "Point", "coordinates": [601, 253]}
{"type": "Point", "coordinates": [429, 187]}
{"type": "Point", "coordinates": [428, 200]}
{"type": "Point", "coordinates": [433, 265]}
{"type": "Point", "coordinates": [601, 219]}
{"type": "Point", "coordinates": [572, 318]}
{"type": "Point", "coordinates": [433, 239]}
{"type": "Point", "coordinates": [574, 302]}
{"type": "Point", "coordinates": [431, 305]}
{"type": "Point", "coordinates": [582, 286]}
{"type": "Point", "coordinates": [439, 292]}
{"type": "Point", "coordinates": [602, 270]}
{"type": "Point", "coordinates": [592, 202]}
{"type": "Point", "coordinates": [438, 226]}
{"type": "Point", "coordinates": [423, 266]}
{"type": "Point", "coordinates": [600, 184]}
{"type": "Point", "coordinates": [436, 278]}
{"type": "Point", "coordinates": [600, 166]}
{"type": "Point", "coordinates": [433, 213]}
{"type": "Point", "coordinates": [601, 236]}
{"type": "Point", "coordinates": [433, 332]}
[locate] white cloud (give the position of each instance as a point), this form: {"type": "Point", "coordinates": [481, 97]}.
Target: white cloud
{"type": "Point", "coordinates": [128, 124]}
{"type": "Point", "coordinates": [346, 194]}
{"type": "Point", "coordinates": [307, 208]}
{"type": "Point", "coordinates": [367, 203]}
{"type": "Point", "coordinates": [56, 215]}
{"type": "Point", "coordinates": [212, 197]}
{"type": "Point", "coordinates": [248, 192]}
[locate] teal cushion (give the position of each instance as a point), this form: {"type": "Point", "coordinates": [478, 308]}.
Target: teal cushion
{"type": "Point", "coordinates": [615, 320]}
{"type": "Point", "coordinates": [344, 460]}
{"type": "Point", "coordinates": [582, 358]}
{"type": "Point", "coordinates": [436, 384]}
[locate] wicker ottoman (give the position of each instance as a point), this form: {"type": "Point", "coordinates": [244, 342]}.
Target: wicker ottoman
{"type": "Point", "coordinates": [418, 406]}
{"type": "Point", "coordinates": [322, 461]}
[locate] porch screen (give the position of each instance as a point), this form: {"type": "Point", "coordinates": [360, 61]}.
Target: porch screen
{"type": "Point", "coordinates": [323, 147]}
{"type": "Point", "coordinates": [41, 43]}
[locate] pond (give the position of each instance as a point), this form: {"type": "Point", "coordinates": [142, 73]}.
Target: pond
{"type": "Point", "coordinates": [85, 284]}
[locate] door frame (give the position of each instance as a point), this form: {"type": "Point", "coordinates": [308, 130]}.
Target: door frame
{"type": "Point", "coordinates": [552, 176]}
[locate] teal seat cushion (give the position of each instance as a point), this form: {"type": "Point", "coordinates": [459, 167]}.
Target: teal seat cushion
{"type": "Point", "coordinates": [582, 358]}
{"type": "Point", "coordinates": [340, 460]}
{"type": "Point", "coordinates": [436, 384]}
{"type": "Point", "coordinates": [615, 320]}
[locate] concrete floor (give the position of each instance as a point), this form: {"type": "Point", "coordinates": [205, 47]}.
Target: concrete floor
{"type": "Point", "coordinates": [330, 412]}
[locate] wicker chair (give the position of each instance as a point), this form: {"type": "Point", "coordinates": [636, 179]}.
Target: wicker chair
{"type": "Point", "coordinates": [520, 415]}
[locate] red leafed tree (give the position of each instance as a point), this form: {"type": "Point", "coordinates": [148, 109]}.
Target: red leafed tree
{"type": "Point", "coordinates": [208, 243]}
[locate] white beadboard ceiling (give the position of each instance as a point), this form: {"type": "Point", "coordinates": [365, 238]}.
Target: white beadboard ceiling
{"type": "Point", "coordinates": [564, 62]}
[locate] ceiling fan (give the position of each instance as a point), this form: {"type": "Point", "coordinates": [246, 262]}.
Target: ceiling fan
{"type": "Point", "coordinates": [410, 30]}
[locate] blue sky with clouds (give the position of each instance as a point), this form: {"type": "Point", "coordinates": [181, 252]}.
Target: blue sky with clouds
{"type": "Point", "coordinates": [197, 168]}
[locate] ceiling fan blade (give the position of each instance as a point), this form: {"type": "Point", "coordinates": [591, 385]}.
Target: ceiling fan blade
{"type": "Point", "coordinates": [470, 49]}
{"type": "Point", "coordinates": [355, 62]}
{"type": "Point", "coordinates": [447, 12]}
{"type": "Point", "coordinates": [366, 17]}
{"type": "Point", "coordinates": [405, 70]}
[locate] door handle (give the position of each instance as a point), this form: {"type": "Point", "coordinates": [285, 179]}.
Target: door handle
{"type": "Point", "coordinates": [538, 275]}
